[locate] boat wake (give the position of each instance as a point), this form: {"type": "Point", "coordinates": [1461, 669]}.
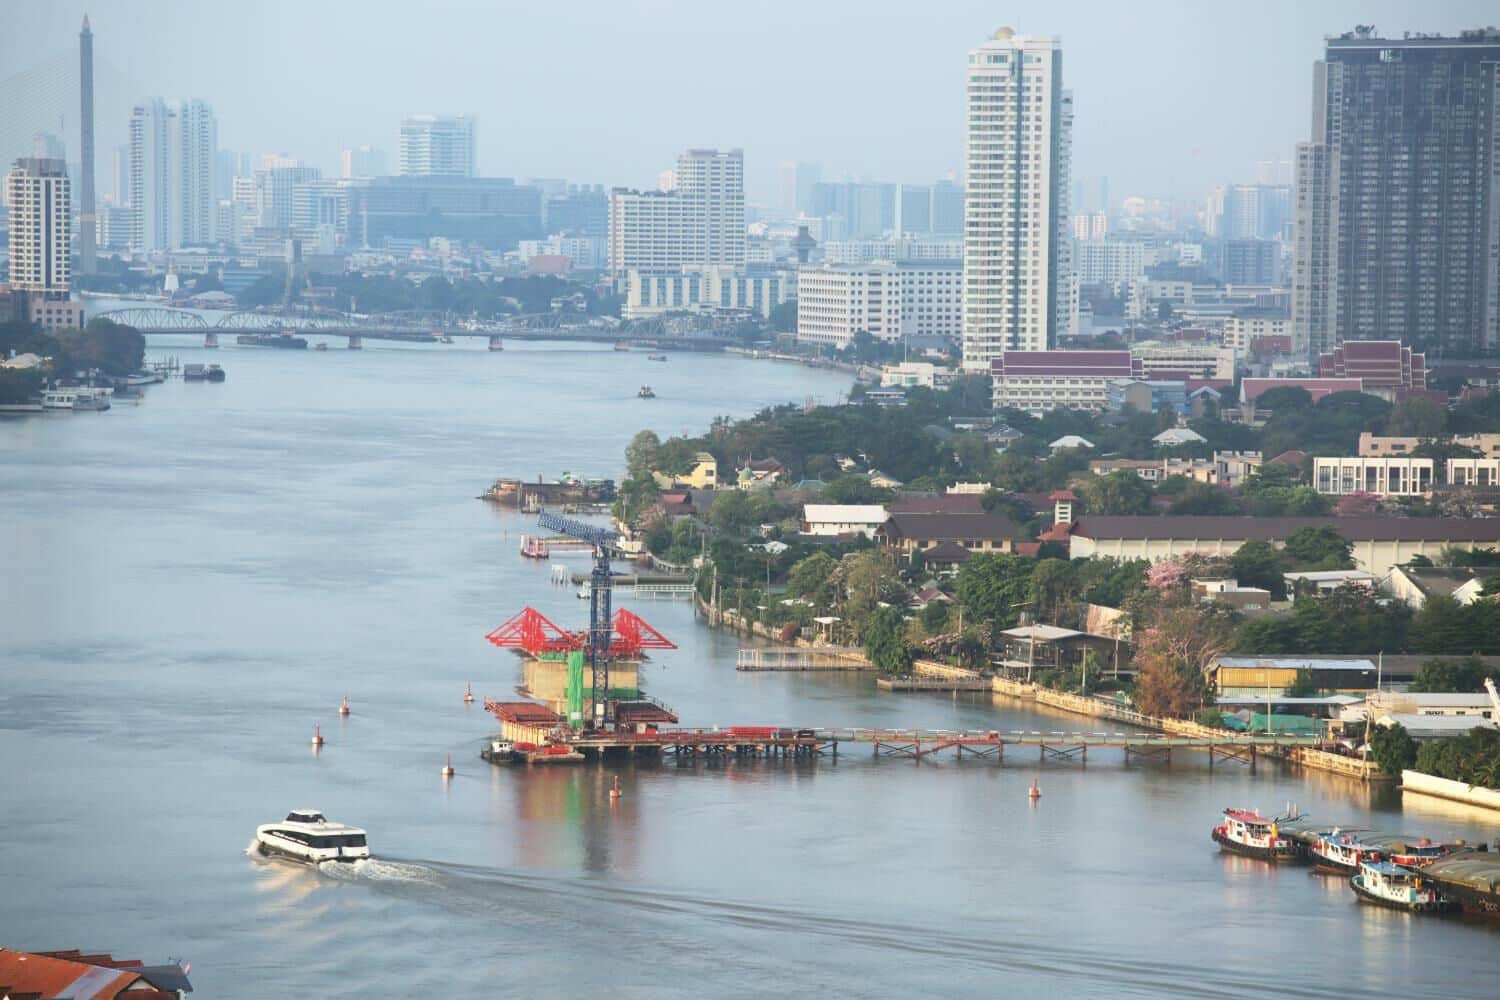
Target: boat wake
{"type": "Point", "coordinates": [375, 870]}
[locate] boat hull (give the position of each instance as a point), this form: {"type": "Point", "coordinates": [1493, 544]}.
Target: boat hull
{"type": "Point", "coordinates": [1278, 855]}
{"type": "Point", "coordinates": [1366, 896]}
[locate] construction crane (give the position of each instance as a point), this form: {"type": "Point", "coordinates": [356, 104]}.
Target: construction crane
{"type": "Point", "coordinates": [601, 623]}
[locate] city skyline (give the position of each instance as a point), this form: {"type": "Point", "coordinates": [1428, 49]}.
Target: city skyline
{"type": "Point", "coordinates": [1229, 106]}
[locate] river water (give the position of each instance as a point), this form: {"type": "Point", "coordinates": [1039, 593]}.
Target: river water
{"type": "Point", "coordinates": [190, 584]}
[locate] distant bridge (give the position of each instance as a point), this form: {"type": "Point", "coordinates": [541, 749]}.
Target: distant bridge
{"type": "Point", "coordinates": [408, 326]}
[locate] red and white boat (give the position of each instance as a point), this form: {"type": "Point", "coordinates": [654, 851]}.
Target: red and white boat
{"type": "Point", "coordinates": [1247, 832]}
{"type": "Point", "coordinates": [1343, 852]}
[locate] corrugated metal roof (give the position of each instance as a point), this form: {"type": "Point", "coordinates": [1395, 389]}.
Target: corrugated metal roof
{"type": "Point", "coordinates": [1291, 663]}
{"type": "Point", "coordinates": [28, 973]}
{"type": "Point", "coordinates": [1355, 529]}
{"type": "Point", "coordinates": [844, 513]}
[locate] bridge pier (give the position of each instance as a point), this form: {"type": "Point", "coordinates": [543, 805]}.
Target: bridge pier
{"type": "Point", "coordinates": [356, 342]}
{"type": "Point", "coordinates": [495, 342]}
{"type": "Point", "coordinates": [210, 340]}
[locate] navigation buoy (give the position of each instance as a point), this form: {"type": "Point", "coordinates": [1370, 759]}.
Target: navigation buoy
{"type": "Point", "coordinates": [448, 767]}
{"type": "Point", "coordinates": [344, 708]}
{"type": "Point", "coordinates": [1035, 792]}
{"type": "Point", "coordinates": [317, 736]}
{"type": "Point", "coordinates": [614, 793]}
{"type": "Point", "coordinates": [468, 694]}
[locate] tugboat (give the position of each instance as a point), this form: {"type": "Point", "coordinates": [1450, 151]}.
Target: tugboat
{"type": "Point", "coordinates": [656, 357]}
{"type": "Point", "coordinates": [321, 345]}
{"type": "Point", "coordinates": [646, 393]}
{"type": "Point", "coordinates": [214, 374]}
{"type": "Point", "coordinates": [1247, 832]}
{"type": "Point", "coordinates": [1385, 884]}
{"type": "Point", "coordinates": [1342, 852]}
{"type": "Point", "coordinates": [306, 836]}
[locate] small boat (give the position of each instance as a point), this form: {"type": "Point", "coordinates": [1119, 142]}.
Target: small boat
{"type": "Point", "coordinates": [76, 398]}
{"type": "Point", "coordinates": [656, 357]}
{"type": "Point", "coordinates": [307, 836]}
{"type": "Point", "coordinates": [499, 751]}
{"type": "Point", "coordinates": [1341, 852]}
{"type": "Point", "coordinates": [1247, 832]}
{"type": "Point", "coordinates": [195, 373]}
{"type": "Point", "coordinates": [443, 338]}
{"type": "Point", "coordinates": [646, 392]}
{"type": "Point", "coordinates": [321, 345]}
{"type": "Point", "coordinates": [535, 548]}
{"type": "Point", "coordinates": [1385, 884]}
{"type": "Point", "coordinates": [144, 378]}
{"type": "Point", "coordinates": [620, 345]}
{"type": "Point", "coordinates": [59, 399]}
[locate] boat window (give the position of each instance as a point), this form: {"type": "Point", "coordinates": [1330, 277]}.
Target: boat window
{"type": "Point", "coordinates": [331, 840]}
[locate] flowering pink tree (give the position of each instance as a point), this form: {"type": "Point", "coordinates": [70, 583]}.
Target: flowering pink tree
{"type": "Point", "coordinates": [1359, 504]}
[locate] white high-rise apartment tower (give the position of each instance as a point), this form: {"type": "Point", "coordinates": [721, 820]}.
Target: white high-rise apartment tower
{"type": "Point", "coordinates": [717, 181]}
{"type": "Point", "coordinates": [41, 214]}
{"type": "Point", "coordinates": [440, 145]}
{"type": "Point", "coordinates": [698, 224]}
{"type": "Point", "coordinates": [174, 150]}
{"type": "Point", "coordinates": [1018, 141]}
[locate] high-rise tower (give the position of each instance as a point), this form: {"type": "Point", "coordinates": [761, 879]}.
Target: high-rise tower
{"type": "Point", "coordinates": [1018, 140]}
{"type": "Point", "coordinates": [86, 232]}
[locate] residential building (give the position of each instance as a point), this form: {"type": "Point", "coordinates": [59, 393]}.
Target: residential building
{"type": "Point", "coordinates": [1037, 381]}
{"type": "Point", "coordinates": [1158, 470]}
{"type": "Point", "coordinates": [1378, 446]}
{"type": "Point", "coordinates": [712, 290]}
{"type": "Point", "coordinates": [274, 181]}
{"type": "Point", "coordinates": [1230, 592]}
{"type": "Point", "coordinates": [704, 475]}
{"type": "Point", "coordinates": [1017, 159]}
{"type": "Point", "coordinates": [893, 302]}
{"type": "Point", "coordinates": [1386, 247]}
{"type": "Point", "coordinates": [933, 209]}
{"type": "Point", "coordinates": [173, 175]}
{"type": "Point", "coordinates": [829, 520]}
{"type": "Point", "coordinates": [1249, 325]}
{"type": "Point", "coordinates": [700, 223]}
{"type": "Point", "coordinates": [437, 146]}
{"type": "Point", "coordinates": [1472, 472]}
{"type": "Point", "coordinates": [362, 161]}
{"type": "Point", "coordinates": [910, 374]}
{"type": "Point", "coordinates": [494, 212]}
{"type": "Point", "coordinates": [1110, 262]}
{"type": "Point", "coordinates": [1251, 262]}
{"type": "Point", "coordinates": [585, 253]}
{"type": "Point", "coordinates": [1147, 395]}
{"type": "Point", "coordinates": [855, 209]}
{"type": "Point", "coordinates": [579, 210]}
{"type": "Point", "coordinates": [899, 249]}
{"type": "Point", "coordinates": [915, 532]}
{"type": "Point", "coordinates": [1234, 467]}
{"type": "Point", "coordinates": [797, 180]}
{"type": "Point", "coordinates": [1386, 477]}
{"type": "Point", "coordinates": [321, 211]}
{"type": "Point", "coordinates": [1379, 543]}
{"type": "Point", "coordinates": [1325, 581]}
{"type": "Point", "coordinates": [40, 241]}
{"type": "Point", "coordinates": [1417, 584]}
{"type": "Point", "coordinates": [1248, 211]}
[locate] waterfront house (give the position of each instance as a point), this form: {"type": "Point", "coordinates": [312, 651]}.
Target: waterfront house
{"type": "Point", "coordinates": [1379, 543]}
{"type": "Point", "coordinates": [830, 520]}
{"type": "Point", "coordinates": [1027, 649]}
{"type": "Point", "coordinates": [1415, 584]}
{"type": "Point", "coordinates": [704, 475]}
{"type": "Point", "coordinates": [909, 532]}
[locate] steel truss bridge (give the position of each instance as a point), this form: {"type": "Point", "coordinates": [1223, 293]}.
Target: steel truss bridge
{"type": "Point", "coordinates": [412, 325]}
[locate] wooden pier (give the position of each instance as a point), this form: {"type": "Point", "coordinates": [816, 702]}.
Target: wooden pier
{"type": "Point", "coordinates": [801, 658]}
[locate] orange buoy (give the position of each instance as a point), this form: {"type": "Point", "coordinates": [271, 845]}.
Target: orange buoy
{"type": "Point", "coordinates": [614, 793]}
{"type": "Point", "coordinates": [468, 694]}
{"type": "Point", "coordinates": [1035, 792]}
{"type": "Point", "coordinates": [344, 708]}
{"type": "Point", "coordinates": [448, 767]}
{"type": "Point", "coordinates": [317, 736]}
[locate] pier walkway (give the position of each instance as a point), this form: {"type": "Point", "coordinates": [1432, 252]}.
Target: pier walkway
{"type": "Point", "coordinates": [799, 658]}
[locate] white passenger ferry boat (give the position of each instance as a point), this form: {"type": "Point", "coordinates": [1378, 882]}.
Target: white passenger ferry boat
{"type": "Point", "coordinates": [1247, 832]}
{"type": "Point", "coordinates": [307, 836]}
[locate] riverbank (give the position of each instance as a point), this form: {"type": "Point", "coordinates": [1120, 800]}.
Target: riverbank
{"type": "Point", "coordinates": [1453, 791]}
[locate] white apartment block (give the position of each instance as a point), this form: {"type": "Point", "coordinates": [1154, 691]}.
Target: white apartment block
{"type": "Point", "coordinates": [440, 145]}
{"type": "Point", "coordinates": [865, 251]}
{"type": "Point", "coordinates": [1109, 262]}
{"type": "Point", "coordinates": [1244, 328]}
{"type": "Point", "coordinates": [41, 226]}
{"type": "Point", "coordinates": [1206, 361]}
{"type": "Point", "coordinates": [1378, 446]}
{"type": "Point", "coordinates": [174, 149]}
{"type": "Point", "coordinates": [1387, 477]}
{"type": "Point", "coordinates": [890, 301]}
{"type": "Point", "coordinates": [586, 253]}
{"type": "Point", "coordinates": [700, 223]}
{"type": "Point", "coordinates": [714, 289]}
{"type": "Point", "coordinates": [1017, 152]}
{"type": "Point", "coordinates": [1473, 471]}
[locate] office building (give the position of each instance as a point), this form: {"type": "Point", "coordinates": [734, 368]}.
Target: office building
{"type": "Point", "coordinates": [87, 226]}
{"type": "Point", "coordinates": [903, 249]}
{"type": "Point", "coordinates": [274, 182]}
{"type": "Point", "coordinates": [1248, 211]}
{"type": "Point", "coordinates": [494, 212]}
{"type": "Point", "coordinates": [576, 210]}
{"type": "Point", "coordinates": [797, 180]}
{"type": "Point", "coordinates": [437, 146]}
{"type": "Point", "coordinates": [1398, 195]}
{"type": "Point", "coordinates": [41, 230]}
{"type": "Point", "coordinates": [894, 302]}
{"type": "Point", "coordinates": [1247, 326]}
{"type": "Point", "coordinates": [700, 223]}
{"type": "Point", "coordinates": [1251, 262]}
{"type": "Point", "coordinates": [715, 290]}
{"type": "Point", "coordinates": [1109, 262]}
{"type": "Point", "coordinates": [362, 161]}
{"type": "Point", "coordinates": [1016, 240]}
{"type": "Point", "coordinates": [173, 175]}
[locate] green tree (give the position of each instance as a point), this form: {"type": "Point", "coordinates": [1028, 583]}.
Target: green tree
{"type": "Point", "coordinates": [1286, 397]}
{"type": "Point", "coordinates": [1417, 417]}
{"type": "Point", "coordinates": [1304, 685]}
{"type": "Point", "coordinates": [784, 317]}
{"type": "Point", "coordinates": [1452, 676]}
{"type": "Point", "coordinates": [934, 617]}
{"type": "Point", "coordinates": [731, 512]}
{"type": "Point", "coordinates": [1258, 564]}
{"type": "Point", "coordinates": [1051, 587]}
{"type": "Point", "coordinates": [1120, 492]}
{"type": "Point", "coordinates": [1320, 547]}
{"type": "Point", "coordinates": [810, 577]}
{"type": "Point", "coordinates": [641, 454]}
{"type": "Point", "coordinates": [1203, 499]}
{"type": "Point", "coordinates": [1393, 748]}
{"type": "Point", "coordinates": [853, 489]}
{"type": "Point", "coordinates": [870, 579]}
{"type": "Point", "coordinates": [884, 634]}
{"type": "Point", "coordinates": [993, 587]}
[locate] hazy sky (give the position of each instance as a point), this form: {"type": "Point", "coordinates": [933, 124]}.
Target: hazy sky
{"type": "Point", "coordinates": [1170, 97]}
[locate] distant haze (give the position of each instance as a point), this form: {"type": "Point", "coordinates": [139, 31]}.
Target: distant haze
{"type": "Point", "coordinates": [1171, 97]}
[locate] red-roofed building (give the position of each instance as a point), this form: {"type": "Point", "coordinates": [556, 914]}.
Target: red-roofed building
{"type": "Point", "coordinates": [1381, 364]}
{"type": "Point", "coordinates": [1037, 381]}
{"type": "Point", "coordinates": [1252, 388]}
{"type": "Point", "coordinates": [66, 975]}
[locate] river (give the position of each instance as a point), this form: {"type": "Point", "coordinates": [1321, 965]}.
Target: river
{"type": "Point", "coordinates": [193, 582]}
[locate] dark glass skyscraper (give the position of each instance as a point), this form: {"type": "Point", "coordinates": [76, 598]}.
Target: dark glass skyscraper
{"type": "Point", "coordinates": [1397, 231]}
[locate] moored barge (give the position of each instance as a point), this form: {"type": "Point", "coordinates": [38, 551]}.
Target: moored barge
{"type": "Point", "coordinates": [1468, 879]}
